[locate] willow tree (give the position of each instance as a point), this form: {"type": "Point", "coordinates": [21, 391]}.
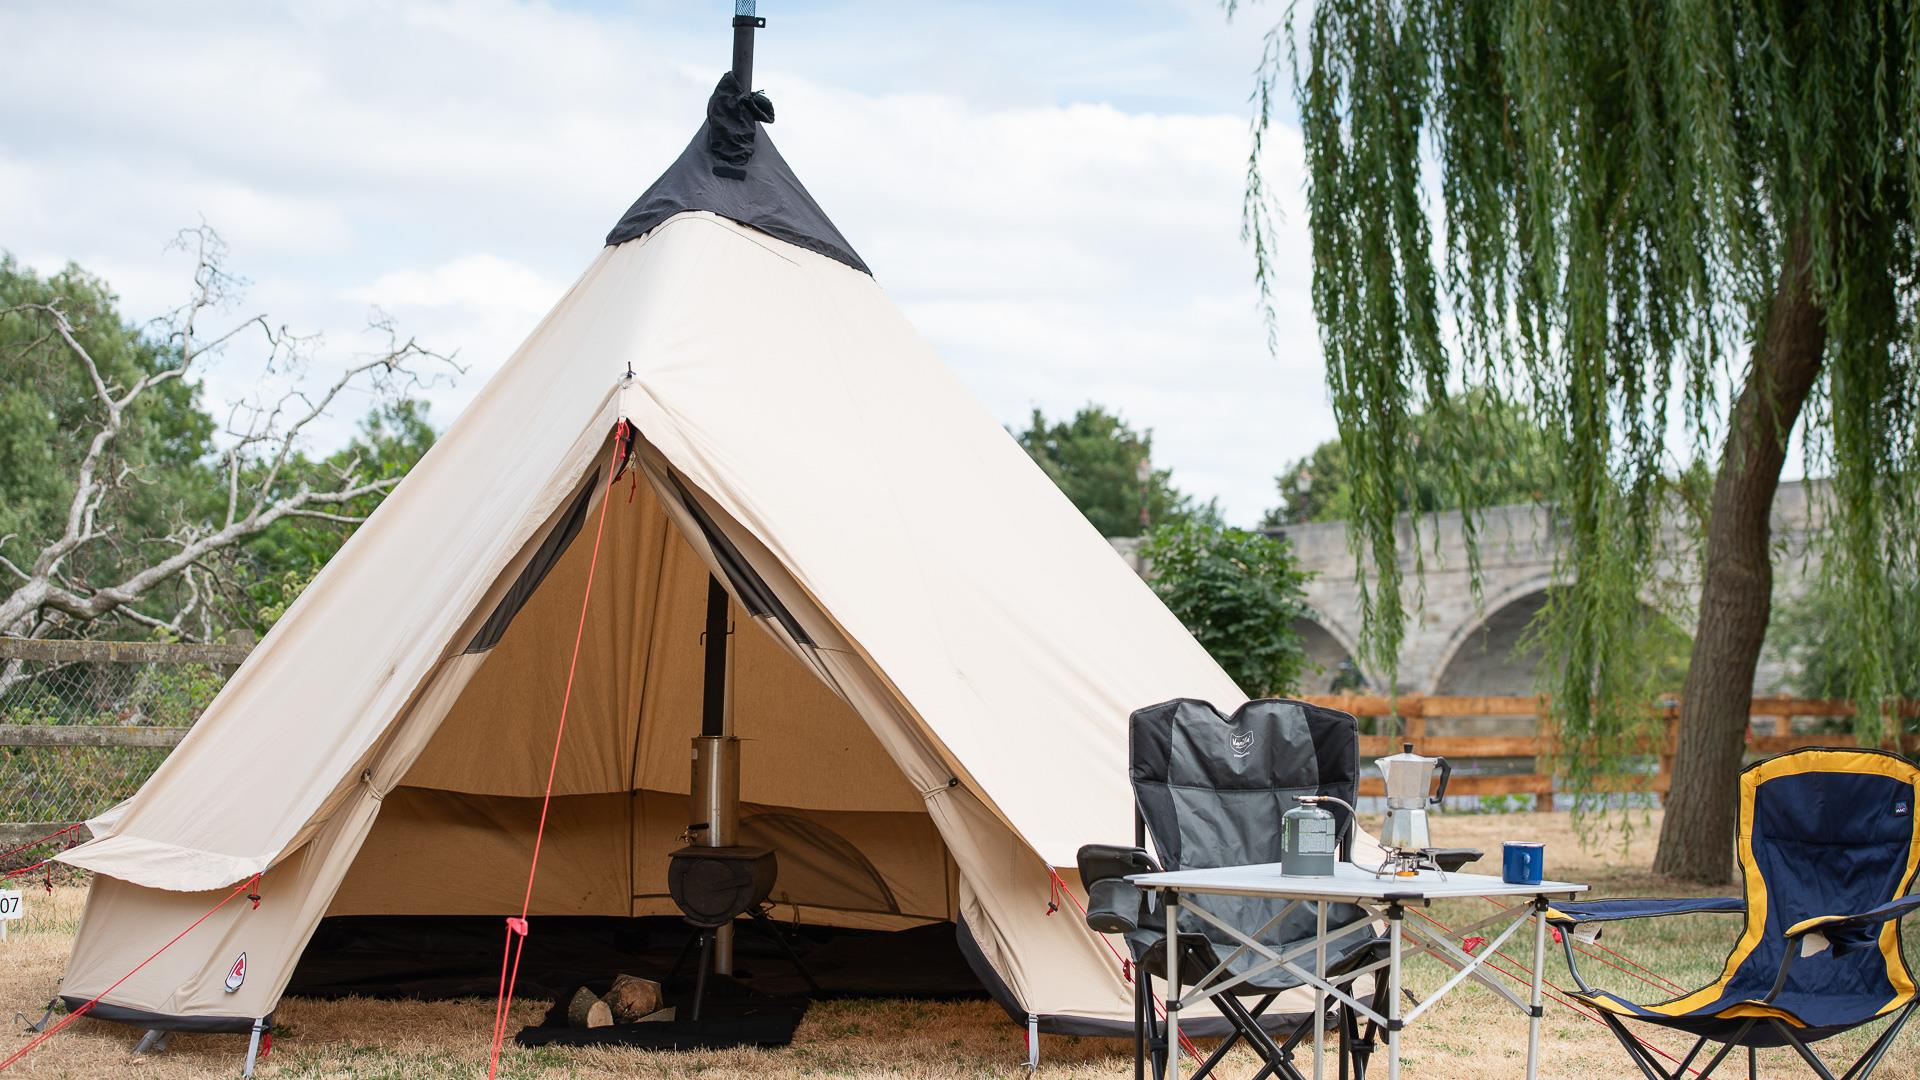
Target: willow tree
{"type": "Point", "coordinates": [1674, 230]}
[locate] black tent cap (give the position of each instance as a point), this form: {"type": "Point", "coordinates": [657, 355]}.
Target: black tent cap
{"type": "Point", "coordinates": [732, 169]}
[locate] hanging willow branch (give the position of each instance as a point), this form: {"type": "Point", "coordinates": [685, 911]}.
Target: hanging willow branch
{"type": "Point", "coordinates": [1615, 185]}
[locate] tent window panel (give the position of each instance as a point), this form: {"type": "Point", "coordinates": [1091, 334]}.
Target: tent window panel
{"type": "Point", "coordinates": [542, 563]}
{"type": "Point", "coordinates": [754, 593]}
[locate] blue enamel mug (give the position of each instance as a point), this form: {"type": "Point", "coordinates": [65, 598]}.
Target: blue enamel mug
{"type": "Point", "coordinates": [1523, 862]}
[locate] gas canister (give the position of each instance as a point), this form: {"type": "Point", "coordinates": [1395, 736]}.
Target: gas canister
{"type": "Point", "coordinates": [1309, 837]}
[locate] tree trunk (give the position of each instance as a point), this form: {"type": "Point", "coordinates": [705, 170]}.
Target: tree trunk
{"type": "Point", "coordinates": [1736, 594]}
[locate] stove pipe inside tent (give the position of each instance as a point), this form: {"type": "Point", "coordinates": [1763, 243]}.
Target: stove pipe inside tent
{"type": "Point", "coordinates": [715, 802]}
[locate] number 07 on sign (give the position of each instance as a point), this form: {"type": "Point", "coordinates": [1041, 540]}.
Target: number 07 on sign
{"type": "Point", "coordinates": [12, 907]}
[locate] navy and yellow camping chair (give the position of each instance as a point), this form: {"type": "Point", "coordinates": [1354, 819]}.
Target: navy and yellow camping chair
{"type": "Point", "coordinates": [1828, 848]}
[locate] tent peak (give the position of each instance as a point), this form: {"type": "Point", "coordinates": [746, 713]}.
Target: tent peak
{"type": "Point", "coordinates": [732, 169]}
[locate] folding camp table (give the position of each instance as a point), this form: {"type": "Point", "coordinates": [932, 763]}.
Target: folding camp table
{"type": "Point", "coordinates": [1383, 897]}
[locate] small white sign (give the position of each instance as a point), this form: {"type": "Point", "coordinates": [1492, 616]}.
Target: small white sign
{"type": "Point", "coordinates": [12, 907]}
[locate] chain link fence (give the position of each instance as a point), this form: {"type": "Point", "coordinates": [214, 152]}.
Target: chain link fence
{"type": "Point", "coordinates": [84, 723]}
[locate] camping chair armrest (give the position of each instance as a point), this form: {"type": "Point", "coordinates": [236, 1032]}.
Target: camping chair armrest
{"type": "Point", "coordinates": [1114, 905]}
{"type": "Point", "coordinates": [1566, 917]}
{"type": "Point", "coordinates": [1849, 931]}
{"type": "Point", "coordinates": [1596, 911]}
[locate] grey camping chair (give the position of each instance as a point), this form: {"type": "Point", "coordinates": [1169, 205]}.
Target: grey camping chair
{"type": "Point", "coordinates": [1210, 789]}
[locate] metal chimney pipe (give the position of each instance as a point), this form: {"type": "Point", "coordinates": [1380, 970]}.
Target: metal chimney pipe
{"type": "Point", "coordinates": [745, 22]}
{"type": "Point", "coordinates": [716, 757]}
{"type": "Point", "coordinates": [715, 788]}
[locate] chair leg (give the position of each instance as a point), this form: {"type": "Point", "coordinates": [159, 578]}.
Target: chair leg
{"type": "Point", "coordinates": [1654, 1070]}
{"type": "Point", "coordinates": [1806, 1053]}
{"type": "Point", "coordinates": [1252, 1023]}
{"type": "Point", "coordinates": [1234, 1035]}
{"type": "Point", "coordinates": [1141, 1015]}
{"type": "Point", "coordinates": [1648, 1068]}
{"type": "Point", "coordinates": [1356, 1044]}
{"type": "Point", "coordinates": [1219, 1053]}
{"type": "Point", "coordinates": [1753, 1063]}
{"type": "Point", "coordinates": [1362, 1047]}
{"type": "Point", "coordinates": [1349, 1024]}
{"type": "Point", "coordinates": [1156, 1035]}
{"type": "Point", "coordinates": [1869, 1061]}
{"type": "Point", "coordinates": [1277, 1058]}
{"type": "Point", "coordinates": [1725, 1049]}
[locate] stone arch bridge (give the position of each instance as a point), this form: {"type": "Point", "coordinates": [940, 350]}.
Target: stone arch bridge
{"type": "Point", "coordinates": [1459, 644]}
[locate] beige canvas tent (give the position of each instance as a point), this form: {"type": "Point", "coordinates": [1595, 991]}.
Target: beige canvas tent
{"type": "Point", "coordinates": [942, 695]}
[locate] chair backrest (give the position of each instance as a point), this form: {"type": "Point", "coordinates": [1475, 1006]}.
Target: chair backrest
{"type": "Point", "coordinates": [1211, 789]}
{"type": "Point", "coordinates": [1824, 832]}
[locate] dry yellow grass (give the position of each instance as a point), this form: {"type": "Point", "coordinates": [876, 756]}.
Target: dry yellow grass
{"type": "Point", "coordinates": [1472, 1034]}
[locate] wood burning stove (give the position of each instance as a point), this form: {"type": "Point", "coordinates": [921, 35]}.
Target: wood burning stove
{"type": "Point", "coordinates": [713, 886]}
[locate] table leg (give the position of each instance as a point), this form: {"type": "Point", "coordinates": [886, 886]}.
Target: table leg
{"type": "Point", "coordinates": [1319, 993]}
{"type": "Point", "coordinates": [1539, 964]}
{"type": "Point", "coordinates": [1395, 915]}
{"type": "Point", "coordinates": [1173, 986]}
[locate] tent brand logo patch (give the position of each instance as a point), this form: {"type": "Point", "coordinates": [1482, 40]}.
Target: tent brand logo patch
{"type": "Point", "coordinates": [1901, 808]}
{"type": "Point", "coordinates": [1242, 743]}
{"type": "Point", "coordinates": [237, 974]}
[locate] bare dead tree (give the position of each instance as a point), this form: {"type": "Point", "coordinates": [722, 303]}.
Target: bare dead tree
{"type": "Point", "coordinates": [259, 454]}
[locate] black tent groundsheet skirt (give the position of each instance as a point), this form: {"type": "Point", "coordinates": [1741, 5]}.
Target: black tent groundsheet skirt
{"type": "Point", "coordinates": [440, 957]}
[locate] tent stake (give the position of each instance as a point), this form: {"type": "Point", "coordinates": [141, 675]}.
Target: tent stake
{"type": "Point", "coordinates": [152, 1042]}
{"type": "Point", "coordinates": [253, 1046]}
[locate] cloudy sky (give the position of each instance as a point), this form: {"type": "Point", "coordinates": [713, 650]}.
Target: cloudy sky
{"type": "Point", "coordinates": [1051, 192]}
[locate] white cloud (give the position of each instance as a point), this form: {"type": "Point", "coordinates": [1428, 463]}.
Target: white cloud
{"type": "Point", "coordinates": [484, 302]}
{"type": "Point", "coordinates": [480, 283]}
{"type": "Point", "coordinates": [1063, 232]}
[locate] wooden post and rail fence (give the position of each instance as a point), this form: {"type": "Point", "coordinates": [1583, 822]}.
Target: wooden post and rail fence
{"type": "Point", "coordinates": [81, 730]}
{"type": "Point", "coordinates": [1771, 734]}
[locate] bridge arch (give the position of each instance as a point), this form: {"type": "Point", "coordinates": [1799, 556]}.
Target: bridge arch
{"type": "Point", "coordinates": [1331, 650]}
{"type": "Point", "coordinates": [1482, 657]}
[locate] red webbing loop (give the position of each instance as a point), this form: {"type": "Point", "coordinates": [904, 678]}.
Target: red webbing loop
{"type": "Point", "coordinates": [95, 1000]}
{"type": "Point", "coordinates": [516, 942]}
{"type": "Point", "coordinates": [42, 840]}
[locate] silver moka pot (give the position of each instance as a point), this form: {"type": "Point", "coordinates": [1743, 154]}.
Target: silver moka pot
{"type": "Point", "coordinates": [1408, 777]}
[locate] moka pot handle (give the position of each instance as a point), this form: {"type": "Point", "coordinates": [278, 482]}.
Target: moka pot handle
{"type": "Point", "coordinates": [1446, 773]}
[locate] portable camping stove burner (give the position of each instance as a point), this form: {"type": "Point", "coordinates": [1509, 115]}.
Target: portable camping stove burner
{"type": "Point", "coordinates": [1408, 862]}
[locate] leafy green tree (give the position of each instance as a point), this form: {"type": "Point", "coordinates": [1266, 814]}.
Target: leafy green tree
{"type": "Point", "coordinates": [1642, 202]}
{"type": "Point", "coordinates": [1821, 644]}
{"type": "Point", "coordinates": [1506, 458]}
{"type": "Point", "coordinates": [1238, 592]}
{"type": "Point", "coordinates": [1095, 459]}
